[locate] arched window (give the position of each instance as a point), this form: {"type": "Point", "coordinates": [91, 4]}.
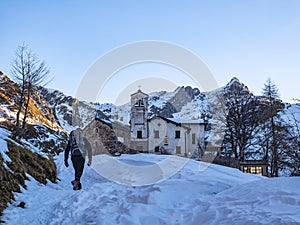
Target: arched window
{"type": "Point", "coordinates": [140, 103]}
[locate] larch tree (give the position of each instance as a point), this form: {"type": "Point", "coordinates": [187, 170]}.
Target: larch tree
{"type": "Point", "coordinates": [274, 128]}
{"type": "Point", "coordinates": [29, 71]}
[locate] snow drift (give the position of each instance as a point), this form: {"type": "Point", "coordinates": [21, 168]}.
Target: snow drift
{"type": "Point", "coordinates": [216, 195]}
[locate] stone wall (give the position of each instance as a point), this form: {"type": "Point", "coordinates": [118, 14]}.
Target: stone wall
{"type": "Point", "coordinates": [103, 139]}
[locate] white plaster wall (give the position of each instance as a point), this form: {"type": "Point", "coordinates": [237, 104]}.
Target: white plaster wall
{"type": "Point", "coordinates": [167, 129]}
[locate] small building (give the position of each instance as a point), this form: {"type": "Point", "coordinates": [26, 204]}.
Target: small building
{"type": "Point", "coordinates": [167, 135]}
{"type": "Point", "coordinates": [107, 137]}
{"type": "Point", "coordinates": [162, 135]}
{"type": "Point", "coordinates": [254, 166]}
{"type": "Point", "coordinates": [96, 133]}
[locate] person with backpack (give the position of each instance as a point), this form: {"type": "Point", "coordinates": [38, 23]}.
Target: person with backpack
{"type": "Point", "coordinates": [79, 147]}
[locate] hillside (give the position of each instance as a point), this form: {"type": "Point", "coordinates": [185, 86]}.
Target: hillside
{"type": "Point", "coordinates": [31, 154]}
{"type": "Point", "coordinates": [28, 153]}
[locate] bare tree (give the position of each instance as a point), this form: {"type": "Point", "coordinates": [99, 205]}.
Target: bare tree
{"type": "Point", "coordinates": [242, 120]}
{"type": "Point", "coordinates": [29, 72]}
{"type": "Point", "coordinates": [293, 152]}
{"type": "Point", "coordinates": [19, 72]}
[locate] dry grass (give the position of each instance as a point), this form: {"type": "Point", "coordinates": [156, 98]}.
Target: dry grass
{"type": "Point", "coordinates": [23, 162]}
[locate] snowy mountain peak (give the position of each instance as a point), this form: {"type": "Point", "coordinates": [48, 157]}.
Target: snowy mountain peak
{"type": "Point", "coordinates": [233, 80]}
{"type": "Point", "coordinates": [237, 85]}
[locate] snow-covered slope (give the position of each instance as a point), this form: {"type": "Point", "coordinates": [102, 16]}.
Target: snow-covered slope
{"type": "Point", "coordinates": [217, 195]}
{"type": "Point", "coordinates": [68, 111]}
{"type": "Point", "coordinates": [184, 103]}
{"type": "Point", "coordinates": [291, 113]}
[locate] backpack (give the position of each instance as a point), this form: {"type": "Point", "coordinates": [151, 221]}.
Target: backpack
{"type": "Point", "coordinates": [74, 148]}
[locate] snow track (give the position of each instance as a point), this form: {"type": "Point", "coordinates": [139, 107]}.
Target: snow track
{"type": "Point", "coordinates": [217, 195]}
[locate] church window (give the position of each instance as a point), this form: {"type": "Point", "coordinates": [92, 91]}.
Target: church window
{"type": "Point", "coordinates": [139, 134]}
{"type": "Point", "coordinates": [139, 103]}
{"type": "Point", "coordinates": [177, 134]}
{"type": "Point", "coordinates": [156, 134]}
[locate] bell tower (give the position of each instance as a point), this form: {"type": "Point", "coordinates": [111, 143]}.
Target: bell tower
{"type": "Point", "coordinates": [139, 121]}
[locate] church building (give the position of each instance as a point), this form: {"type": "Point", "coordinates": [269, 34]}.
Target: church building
{"type": "Point", "coordinates": [163, 135]}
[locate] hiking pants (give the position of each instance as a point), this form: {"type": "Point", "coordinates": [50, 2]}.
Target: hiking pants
{"type": "Point", "coordinates": [78, 164]}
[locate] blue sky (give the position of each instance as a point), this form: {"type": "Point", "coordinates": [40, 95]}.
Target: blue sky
{"type": "Point", "coordinates": [252, 40]}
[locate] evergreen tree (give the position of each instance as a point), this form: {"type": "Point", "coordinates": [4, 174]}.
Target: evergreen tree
{"type": "Point", "coordinates": [274, 128]}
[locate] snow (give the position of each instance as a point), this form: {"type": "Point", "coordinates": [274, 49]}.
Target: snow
{"type": "Point", "coordinates": [5, 113]}
{"type": "Point", "coordinates": [291, 113]}
{"type": "Point", "coordinates": [3, 144]}
{"type": "Point", "coordinates": [216, 195]}
{"type": "Point", "coordinates": [120, 113]}
{"type": "Point", "coordinates": [159, 99]}
{"type": "Point", "coordinates": [60, 117]}
{"type": "Point", "coordinates": [276, 202]}
{"type": "Point", "coordinates": [193, 110]}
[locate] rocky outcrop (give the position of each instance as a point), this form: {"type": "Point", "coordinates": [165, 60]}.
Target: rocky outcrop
{"type": "Point", "coordinates": [48, 141]}
{"type": "Point", "coordinates": [60, 103]}
{"type": "Point", "coordinates": [182, 96]}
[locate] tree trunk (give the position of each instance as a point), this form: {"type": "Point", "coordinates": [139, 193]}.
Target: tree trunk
{"type": "Point", "coordinates": [274, 149]}
{"type": "Point", "coordinates": [21, 104]}
{"type": "Point", "coordinates": [27, 105]}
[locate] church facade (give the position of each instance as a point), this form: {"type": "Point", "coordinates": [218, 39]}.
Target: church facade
{"type": "Point", "coordinates": [163, 135]}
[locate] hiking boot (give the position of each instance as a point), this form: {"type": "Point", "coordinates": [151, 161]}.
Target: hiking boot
{"type": "Point", "coordinates": [75, 184]}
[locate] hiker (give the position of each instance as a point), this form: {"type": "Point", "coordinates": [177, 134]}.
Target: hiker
{"type": "Point", "coordinates": [79, 147]}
